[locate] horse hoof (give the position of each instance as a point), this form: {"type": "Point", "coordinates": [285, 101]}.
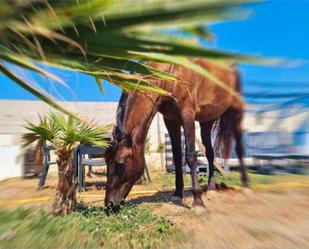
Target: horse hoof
{"type": "Point", "coordinates": [212, 187]}
{"type": "Point", "coordinates": [212, 184]}
{"type": "Point", "coordinates": [176, 199]}
{"type": "Point", "coordinates": [198, 203]}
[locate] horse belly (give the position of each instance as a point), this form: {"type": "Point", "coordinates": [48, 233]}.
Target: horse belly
{"type": "Point", "coordinates": [209, 112]}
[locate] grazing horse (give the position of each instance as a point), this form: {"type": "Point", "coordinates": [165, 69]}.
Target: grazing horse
{"type": "Point", "coordinates": [193, 98]}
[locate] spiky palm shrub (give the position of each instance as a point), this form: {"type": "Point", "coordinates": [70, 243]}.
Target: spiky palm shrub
{"type": "Point", "coordinates": [64, 134]}
{"type": "Point", "coordinates": [109, 39]}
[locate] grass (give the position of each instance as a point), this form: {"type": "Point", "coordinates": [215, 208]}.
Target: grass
{"type": "Point", "coordinates": [87, 227]}
{"type": "Point", "coordinates": [233, 179]}
{"type": "Point", "coordinates": [90, 227]}
{"type": "Point", "coordinates": [168, 180]}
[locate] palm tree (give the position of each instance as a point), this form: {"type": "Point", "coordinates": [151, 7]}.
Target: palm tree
{"type": "Point", "coordinates": [109, 39]}
{"type": "Point", "coordinates": [64, 134]}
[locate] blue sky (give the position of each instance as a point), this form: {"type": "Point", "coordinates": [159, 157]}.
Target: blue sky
{"type": "Point", "coordinates": [277, 28]}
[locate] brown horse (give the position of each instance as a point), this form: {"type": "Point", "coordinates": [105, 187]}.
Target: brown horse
{"type": "Point", "coordinates": [193, 98]}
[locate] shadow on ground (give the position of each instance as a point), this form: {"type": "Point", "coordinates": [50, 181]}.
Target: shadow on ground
{"type": "Point", "coordinates": [160, 197]}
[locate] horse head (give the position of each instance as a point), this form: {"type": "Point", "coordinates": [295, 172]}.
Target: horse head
{"type": "Point", "coordinates": [122, 168]}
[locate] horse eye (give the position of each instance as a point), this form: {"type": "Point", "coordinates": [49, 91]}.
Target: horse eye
{"type": "Point", "coordinates": [119, 168]}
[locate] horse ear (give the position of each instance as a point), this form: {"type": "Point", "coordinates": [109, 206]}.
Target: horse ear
{"type": "Point", "coordinates": [128, 140]}
{"type": "Point", "coordinates": [108, 150]}
{"type": "Point", "coordinates": [118, 134]}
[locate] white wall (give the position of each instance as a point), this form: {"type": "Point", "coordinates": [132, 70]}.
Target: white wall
{"type": "Point", "coordinates": [10, 161]}
{"type": "Point", "coordinates": [13, 115]}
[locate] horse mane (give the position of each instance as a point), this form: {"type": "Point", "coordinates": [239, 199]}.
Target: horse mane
{"type": "Point", "coordinates": [119, 131]}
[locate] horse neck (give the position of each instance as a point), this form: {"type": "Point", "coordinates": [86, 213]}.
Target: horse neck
{"type": "Point", "coordinates": [140, 110]}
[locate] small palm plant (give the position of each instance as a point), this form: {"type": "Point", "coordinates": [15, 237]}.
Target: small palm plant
{"type": "Point", "coordinates": [64, 134]}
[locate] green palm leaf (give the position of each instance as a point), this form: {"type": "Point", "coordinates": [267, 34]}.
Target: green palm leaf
{"type": "Point", "coordinates": [65, 132]}
{"type": "Point", "coordinates": [107, 38]}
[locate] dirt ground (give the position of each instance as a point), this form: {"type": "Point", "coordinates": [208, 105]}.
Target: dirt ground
{"type": "Point", "coordinates": [268, 217]}
{"type": "Point", "coordinates": [257, 220]}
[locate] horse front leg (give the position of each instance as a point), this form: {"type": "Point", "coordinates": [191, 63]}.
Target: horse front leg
{"type": "Point", "coordinates": [174, 131]}
{"type": "Point", "coordinates": [191, 158]}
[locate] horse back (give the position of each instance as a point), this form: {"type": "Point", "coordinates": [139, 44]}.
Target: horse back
{"type": "Point", "coordinates": [209, 99]}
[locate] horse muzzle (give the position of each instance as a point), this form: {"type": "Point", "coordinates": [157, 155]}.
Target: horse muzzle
{"type": "Point", "coordinates": [113, 203]}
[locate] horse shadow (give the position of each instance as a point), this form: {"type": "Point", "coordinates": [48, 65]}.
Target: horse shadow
{"type": "Point", "coordinates": [166, 196]}
{"type": "Point", "coordinates": [160, 197]}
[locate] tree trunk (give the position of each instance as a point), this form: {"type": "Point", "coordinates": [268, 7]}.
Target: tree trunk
{"type": "Point", "coordinates": [38, 158]}
{"type": "Point", "coordinates": [65, 198]}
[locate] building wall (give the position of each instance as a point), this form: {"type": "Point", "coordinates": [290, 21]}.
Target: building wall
{"type": "Point", "coordinates": [10, 159]}
{"type": "Point", "coordinates": [14, 114]}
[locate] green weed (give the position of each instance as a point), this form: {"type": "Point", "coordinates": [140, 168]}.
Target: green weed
{"type": "Point", "coordinates": [87, 227]}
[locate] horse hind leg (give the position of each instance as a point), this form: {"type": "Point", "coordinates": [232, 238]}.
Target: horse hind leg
{"type": "Point", "coordinates": [174, 131]}
{"type": "Point", "coordinates": [206, 140]}
{"type": "Point", "coordinates": [237, 130]}
{"type": "Point", "coordinates": [191, 158]}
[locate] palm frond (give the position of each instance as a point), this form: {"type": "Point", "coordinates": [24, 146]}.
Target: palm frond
{"type": "Point", "coordinates": [77, 131]}
{"type": "Point", "coordinates": [107, 39]}
{"type": "Point", "coordinates": [46, 130]}
{"type": "Point", "coordinates": [65, 132]}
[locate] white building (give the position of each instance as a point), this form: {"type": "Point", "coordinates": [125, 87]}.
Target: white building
{"type": "Point", "coordinates": [14, 114]}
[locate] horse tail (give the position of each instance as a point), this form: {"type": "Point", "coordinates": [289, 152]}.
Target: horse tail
{"type": "Point", "coordinates": [226, 124]}
{"type": "Point", "coordinates": [224, 135]}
